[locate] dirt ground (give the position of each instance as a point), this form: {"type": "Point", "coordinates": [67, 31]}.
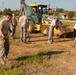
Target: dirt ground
{"type": "Point", "coordinates": [60, 59]}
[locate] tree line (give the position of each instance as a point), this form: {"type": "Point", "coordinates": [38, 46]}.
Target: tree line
{"type": "Point", "coordinates": [8, 10]}
{"type": "Point", "coordinates": [70, 14]}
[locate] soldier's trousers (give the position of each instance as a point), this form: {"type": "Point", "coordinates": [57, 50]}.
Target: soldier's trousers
{"type": "Point", "coordinates": [51, 32]}
{"type": "Point", "coordinates": [23, 31]}
{"type": "Point", "coordinates": [13, 30]}
{"type": "Point", "coordinates": [4, 47]}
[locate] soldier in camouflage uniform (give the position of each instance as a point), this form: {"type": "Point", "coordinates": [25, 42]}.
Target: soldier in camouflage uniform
{"type": "Point", "coordinates": [4, 42]}
{"type": "Point", "coordinates": [23, 27]}
{"type": "Point", "coordinates": [14, 24]}
{"type": "Point", "coordinates": [51, 29]}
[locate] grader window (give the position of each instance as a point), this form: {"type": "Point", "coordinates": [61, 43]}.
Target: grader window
{"type": "Point", "coordinates": [34, 11]}
{"type": "Point", "coordinates": [44, 10]}
{"type": "Point", "coordinates": [39, 10]}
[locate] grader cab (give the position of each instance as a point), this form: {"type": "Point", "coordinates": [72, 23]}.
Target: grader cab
{"type": "Point", "coordinates": [39, 20]}
{"type": "Point", "coordinates": [34, 13]}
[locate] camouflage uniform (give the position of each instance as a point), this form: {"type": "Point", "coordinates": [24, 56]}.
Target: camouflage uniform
{"type": "Point", "coordinates": [51, 31]}
{"type": "Point", "coordinates": [2, 49]}
{"type": "Point", "coordinates": [6, 46]}
{"type": "Point", "coordinates": [14, 24]}
{"type": "Point", "coordinates": [23, 30]}
{"type": "Point", "coordinates": [54, 23]}
{"type": "Point", "coordinates": [23, 27]}
{"type": "Point", "coordinates": [4, 41]}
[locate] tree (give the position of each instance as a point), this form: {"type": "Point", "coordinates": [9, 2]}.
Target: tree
{"type": "Point", "coordinates": [16, 12]}
{"type": "Point", "coordinates": [56, 13]}
{"type": "Point", "coordinates": [51, 13]}
{"type": "Point", "coordinates": [7, 11]}
{"type": "Point", "coordinates": [0, 12]}
{"type": "Point", "coordinates": [70, 14]}
{"type": "Point", "coordinates": [60, 10]}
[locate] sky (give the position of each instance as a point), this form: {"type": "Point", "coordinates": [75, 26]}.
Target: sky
{"type": "Point", "coordinates": [15, 4]}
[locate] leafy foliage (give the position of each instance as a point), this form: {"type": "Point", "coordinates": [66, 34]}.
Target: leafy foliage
{"type": "Point", "coordinates": [51, 13]}
{"type": "Point", "coordinates": [7, 11]}
{"type": "Point", "coordinates": [0, 12]}
{"type": "Point", "coordinates": [60, 10]}
{"type": "Point", "coordinates": [56, 14]}
{"type": "Point", "coordinates": [70, 14]}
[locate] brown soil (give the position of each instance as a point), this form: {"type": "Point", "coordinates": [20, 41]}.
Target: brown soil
{"type": "Point", "coordinates": [61, 59]}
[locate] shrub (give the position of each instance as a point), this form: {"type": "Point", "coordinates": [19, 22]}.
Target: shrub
{"type": "Point", "coordinates": [70, 15]}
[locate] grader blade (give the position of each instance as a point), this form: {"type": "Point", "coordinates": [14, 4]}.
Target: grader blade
{"type": "Point", "coordinates": [63, 30]}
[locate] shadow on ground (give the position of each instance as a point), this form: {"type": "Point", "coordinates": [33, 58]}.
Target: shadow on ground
{"type": "Point", "coordinates": [40, 55]}
{"type": "Point", "coordinates": [64, 40]}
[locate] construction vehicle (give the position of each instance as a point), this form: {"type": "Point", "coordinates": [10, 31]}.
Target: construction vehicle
{"type": "Point", "coordinates": [35, 16]}
{"type": "Point", "coordinates": [39, 21]}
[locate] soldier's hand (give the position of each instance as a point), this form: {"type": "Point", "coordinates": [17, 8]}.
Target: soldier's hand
{"type": "Point", "coordinates": [4, 38]}
{"type": "Point", "coordinates": [10, 31]}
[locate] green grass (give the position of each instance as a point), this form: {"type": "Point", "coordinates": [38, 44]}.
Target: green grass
{"type": "Point", "coordinates": [15, 71]}
{"type": "Point", "coordinates": [18, 66]}
{"type": "Point", "coordinates": [32, 59]}
{"type": "Point", "coordinates": [40, 56]}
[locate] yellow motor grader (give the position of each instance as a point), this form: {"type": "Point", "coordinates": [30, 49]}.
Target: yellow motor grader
{"type": "Point", "coordinates": [39, 21]}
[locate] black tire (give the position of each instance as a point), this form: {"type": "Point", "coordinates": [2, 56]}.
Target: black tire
{"type": "Point", "coordinates": [31, 25]}
{"type": "Point", "coordinates": [45, 30]}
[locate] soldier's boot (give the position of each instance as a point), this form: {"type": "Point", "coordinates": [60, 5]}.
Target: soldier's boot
{"type": "Point", "coordinates": [24, 40]}
{"type": "Point", "coordinates": [50, 41]}
{"type": "Point", "coordinates": [21, 39]}
{"type": "Point", "coordinates": [75, 41]}
{"type": "Point", "coordinates": [12, 37]}
{"type": "Point", "coordinates": [2, 61]}
{"type": "Point", "coordinates": [28, 39]}
{"type": "Point", "coordinates": [6, 59]}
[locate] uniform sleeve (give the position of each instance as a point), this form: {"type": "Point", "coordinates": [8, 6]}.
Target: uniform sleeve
{"type": "Point", "coordinates": [75, 26]}
{"type": "Point", "coordinates": [19, 19]}
{"type": "Point", "coordinates": [26, 19]}
{"type": "Point", "coordinates": [54, 22]}
{"type": "Point", "coordinates": [16, 21]}
{"type": "Point", "coordinates": [1, 23]}
{"type": "Point", "coordinates": [11, 21]}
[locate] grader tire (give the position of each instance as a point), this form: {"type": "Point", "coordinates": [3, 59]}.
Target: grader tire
{"type": "Point", "coordinates": [31, 25]}
{"type": "Point", "coordinates": [44, 30]}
